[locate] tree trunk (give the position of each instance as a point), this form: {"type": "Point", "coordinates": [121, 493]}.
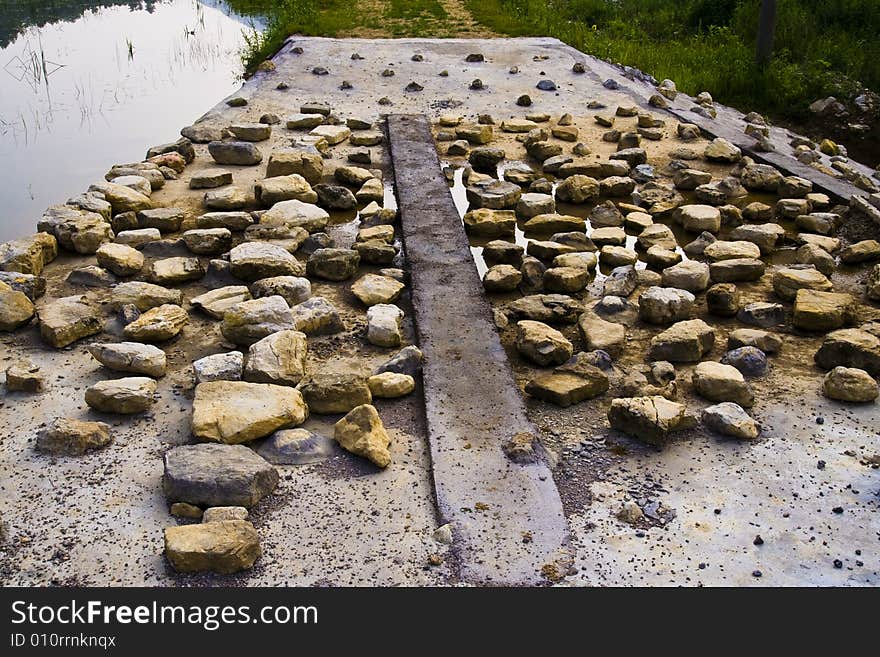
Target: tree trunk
{"type": "Point", "coordinates": [766, 30]}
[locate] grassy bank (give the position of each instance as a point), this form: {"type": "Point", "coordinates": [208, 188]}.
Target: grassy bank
{"type": "Point", "coordinates": [823, 47]}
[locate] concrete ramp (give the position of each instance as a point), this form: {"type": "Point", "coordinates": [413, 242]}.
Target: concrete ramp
{"type": "Point", "coordinates": [507, 517]}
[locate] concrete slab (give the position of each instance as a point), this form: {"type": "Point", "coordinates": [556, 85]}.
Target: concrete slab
{"type": "Point", "coordinates": [507, 518]}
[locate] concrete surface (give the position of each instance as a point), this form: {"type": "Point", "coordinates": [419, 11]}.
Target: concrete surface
{"type": "Point", "coordinates": [99, 520]}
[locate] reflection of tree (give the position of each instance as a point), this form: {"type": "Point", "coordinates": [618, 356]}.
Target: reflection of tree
{"type": "Point", "coordinates": [18, 15]}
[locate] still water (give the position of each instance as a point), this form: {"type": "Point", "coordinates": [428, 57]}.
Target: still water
{"type": "Point", "coordinates": [86, 84]}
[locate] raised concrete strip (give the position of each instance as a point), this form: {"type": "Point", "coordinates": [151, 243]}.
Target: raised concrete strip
{"type": "Point", "coordinates": [507, 518]}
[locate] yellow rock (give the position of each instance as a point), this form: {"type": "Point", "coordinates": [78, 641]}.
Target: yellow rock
{"type": "Point", "coordinates": [235, 412]}
{"type": "Point", "coordinates": [222, 547]}
{"type": "Point", "coordinates": [361, 432]}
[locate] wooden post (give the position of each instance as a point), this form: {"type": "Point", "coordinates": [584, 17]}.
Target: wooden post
{"type": "Point", "coordinates": [766, 30]}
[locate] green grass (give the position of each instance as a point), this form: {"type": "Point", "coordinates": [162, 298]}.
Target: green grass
{"type": "Point", "coordinates": [823, 47]}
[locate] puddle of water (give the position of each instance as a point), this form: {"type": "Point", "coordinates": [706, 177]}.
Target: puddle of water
{"type": "Point", "coordinates": [100, 84]}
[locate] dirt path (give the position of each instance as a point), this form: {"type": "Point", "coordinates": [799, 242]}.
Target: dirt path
{"type": "Point", "coordinates": [431, 19]}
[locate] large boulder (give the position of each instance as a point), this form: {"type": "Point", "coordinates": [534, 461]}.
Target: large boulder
{"type": "Point", "coordinates": [249, 321]}
{"type": "Point", "coordinates": [157, 324]}
{"type": "Point", "coordinates": [718, 382]}
{"type": "Point", "coordinates": [175, 271]}
{"type": "Point", "coordinates": [215, 303]}
{"type": "Point", "coordinates": [650, 419]}
{"type": "Point", "coordinates": [278, 358]}
{"type": "Point", "coordinates": [69, 319]}
{"type": "Point", "coordinates": [241, 153]}
{"type": "Point", "coordinates": [850, 348]}
{"type": "Point", "coordinates": [16, 309]}
{"type": "Point", "coordinates": [384, 325]}
{"type": "Point", "coordinates": [850, 384]}
{"type": "Point", "coordinates": [217, 475]}
{"type": "Point", "coordinates": [821, 311]}
{"type": "Point", "coordinates": [730, 419]}
{"type": "Point", "coordinates": [252, 261]}
{"type": "Point", "coordinates": [28, 255]}
{"type": "Point", "coordinates": [542, 344]}
{"type": "Point", "coordinates": [131, 357]}
{"type": "Point", "coordinates": [233, 412]}
{"type": "Point", "coordinates": [330, 393]}
{"type": "Point", "coordinates": [333, 264]}
{"type": "Point", "coordinates": [665, 305]}
{"type": "Point", "coordinates": [316, 316]}
{"type": "Point", "coordinates": [134, 394]}
{"type": "Point", "coordinates": [73, 437]}
{"type": "Point", "coordinates": [143, 295]}
{"type": "Point", "coordinates": [361, 432]}
{"type": "Point", "coordinates": [372, 289]}
{"type": "Point", "coordinates": [296, 214]}
{"type": "Point", "coordinates": [222, 547]}
{"type": "Point", "coordinates": [683, 342]}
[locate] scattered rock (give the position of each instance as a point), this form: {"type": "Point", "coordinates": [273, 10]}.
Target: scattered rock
{"type": "Point", "coordinates": [67, 437]}
{"type": "Point", "coordinates": [361, 432]}
{"type": "Point", "coordinates": [129, 395]}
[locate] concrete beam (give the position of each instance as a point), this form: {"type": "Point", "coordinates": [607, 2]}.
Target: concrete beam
{"type": "Point", "coordinates": [507, 518]}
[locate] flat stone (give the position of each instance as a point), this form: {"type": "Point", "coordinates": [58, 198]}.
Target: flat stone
{"type": "Point", "coordinates": [736, 269]}
{"type": "Point", "coordinates": [250, 321]}
{"type": "Point", "coordinates": [216, 302]}
{"type": "Point", "coordinates": [331, 393]}
{"type": "Point", "coordinates": [68, 319]}
{"type": "Point", "coordinates": [730, 419]}
{"type": "Point", "coordinates": [157, 324]}
{"type": "Point", "coordinates": [67, 437]}
{"type": "Point", "coordinates": [270, 191]}
{"type": "Point", "coordinates": [133, 394]}
{"type": "Point", "coordinates": [239, 153]}
{"type": "Point", "coordinates": [234, 412]}
{"type": "Point", "coordinates": [210, 179]}
{"type": "Point", "coordinates": [252, 261]}
{"type": "Point", "coordinates": [219, 367]}
{"type": "Point", "coordinates": [132, 357]}
{"type": "Point", "coordinates": [815, 310]}
{"type": "Point", "coordinates": [137, 237]}
{"type": "Point", "coordinates": [564, 389]}
{"type": "Point", "coordinates": [296, 447]}
{"type": "Point", "coordinates": [854, 348]}
{"type": "Point", "coordinates": [788, 280]}
{"type": "Point", "coordinates": [690, 275]}
{"type": "Point", "coordinates": [685, 342]}
{"type": "Point", "coordinates": [650, 419]}
{"type": "Point", "coordinates": [233, 221]}
{"type": "Point", "coordinates": [143, 296]}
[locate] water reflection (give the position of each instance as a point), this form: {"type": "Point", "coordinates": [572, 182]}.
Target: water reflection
{"type": "Point", "coordinates": [86, 84]}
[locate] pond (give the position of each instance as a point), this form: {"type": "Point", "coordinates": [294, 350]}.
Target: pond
{"type": "Point", "coordinates": [85, 84]}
